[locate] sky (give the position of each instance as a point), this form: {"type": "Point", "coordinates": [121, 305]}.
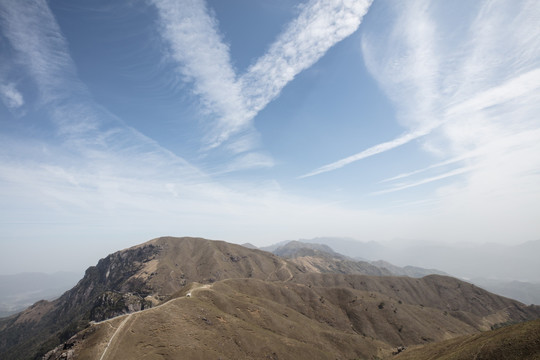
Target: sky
{"type": "Point", "coordinates": [262, 121]}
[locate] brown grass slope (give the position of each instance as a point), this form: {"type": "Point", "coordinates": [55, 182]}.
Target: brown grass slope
{"type": "Point", "coordinates": [323, 316]}
{"type": "Point", "coordinates": [222, 322]}
{"type": "Point", "coordinates": [516, 342]}
{"type": "Point", "coordinates": [131, 280]}
{"type": "Point", "coordinates": [467, 302]}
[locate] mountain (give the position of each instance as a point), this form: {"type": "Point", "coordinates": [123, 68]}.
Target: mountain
{"type": "Point", "coordinates": [249, 246]}
{"type": "Point", "coordinates": [196, 298]}
{"type": "Point", "coordinates": [524, 263]}
{"type": "Point", "coordinates": [271, 248]}
{"type": "Point", "coordinates": [364, 251]}
{"type": "Point", "coordinates": [522, 291]}
{"type": "Point", "coordinates": [129, 280]}
{"type": "Point", "coordinates": [412, 271]}
{"type": "Point", "coordinates": [19, 291]}
{"type": "Point", "coordinates": [490, 261]}
{"type": "Point", "coordinates": [321, 316]}
{"type": "Point", "coordinates": [517, 342]}
{"type": "Point", "coordinates": [322, 259]}
{"type": "Point", "coordinates": [294, 249]}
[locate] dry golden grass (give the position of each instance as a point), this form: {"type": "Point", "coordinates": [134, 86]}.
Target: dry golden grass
{"type": "Point", "coordinates": [257, 319]}
{"type": "Point", "coordinates": [516, 342]}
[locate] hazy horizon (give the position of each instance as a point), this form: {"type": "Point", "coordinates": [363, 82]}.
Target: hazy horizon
{"type": "Point", "coordinates": [390, 251]}
{"type": "Point", "coordinates": [257, 121]}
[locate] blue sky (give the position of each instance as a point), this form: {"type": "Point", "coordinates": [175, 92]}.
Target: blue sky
{"type": "Point", "coordinates": [260, 121]}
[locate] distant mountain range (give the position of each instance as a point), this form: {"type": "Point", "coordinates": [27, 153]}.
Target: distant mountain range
{"type": "Point", "coordinates": [19, 291]}
{"type": "Point", "coordinates": [322, 259]}
{"type": "Point", "coordinates": [196, 298]}
{"type": "Point", "coordinates": [501, 269]}
{"type": "Point", "coordinates": [490, 261]}
{"type": "Point", "coordinates": [310, 255]}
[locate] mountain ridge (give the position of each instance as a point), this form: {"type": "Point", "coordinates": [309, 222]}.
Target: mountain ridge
{"type": "Point", "coordinates": [133, 279]}
{"type": "Point", "coordinates": [360, 315]}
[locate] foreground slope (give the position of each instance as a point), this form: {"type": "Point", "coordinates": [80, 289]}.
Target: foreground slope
{"type": "Point", "coordinates": [224, 322]}
{"type": "Point", "coordinates": [516, 342]}
{"type": "Point", "coordinates": [321, 316]}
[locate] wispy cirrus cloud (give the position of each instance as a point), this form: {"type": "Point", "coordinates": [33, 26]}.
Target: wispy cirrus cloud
{"type": "Point", "coordinates": [460, 89]}
{"type": "Point", "coordinates": [374, 150]}
{"type": "Point", "coordinates": [100, 138]}
{"type": "Point", "coordinates": [455, 172]}
{"type": "Point", "coordinates": [198, 48]}
{"type": "Point", "coordinates": [11, 97]}
{"type": "Point", "coordinates": [33, 32]}
{"type": "Point", "coordinates": [430, 167]}
{"type": "Point", "coordinates": [513, 89]}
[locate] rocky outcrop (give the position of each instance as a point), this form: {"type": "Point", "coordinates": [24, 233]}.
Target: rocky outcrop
{"type": "Point", "coordinates": [111, 304]}
{"type": "Point", "coordinates": [107, 289]}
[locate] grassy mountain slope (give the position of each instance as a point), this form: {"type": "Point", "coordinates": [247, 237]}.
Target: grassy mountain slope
{"type": "Point", "coordinates": [224, 322]}
{"type": "Point", "coordinates": [516, 342]}
{"type": "Point", "coordinates": [322, 316]}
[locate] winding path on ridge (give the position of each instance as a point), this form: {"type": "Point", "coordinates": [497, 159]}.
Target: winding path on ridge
{"type": "Point", "coordinates": [129, 316]}
{"type": "Point", "coordinates": [283, 266]}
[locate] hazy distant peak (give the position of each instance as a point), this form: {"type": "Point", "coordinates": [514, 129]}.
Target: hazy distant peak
{"type": "Point", "coordinates": [411, 271]}
{"type": "Point", "coordinates": [249, 246]}
{"type": "Point", "coordinates": [298, 248]}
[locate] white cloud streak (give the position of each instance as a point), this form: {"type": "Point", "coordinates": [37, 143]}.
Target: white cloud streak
{"type": "Point", "coordinates": [203, 58]}
{"type": "Point", "coordinates": [434, 166]}
{"type": "Point", "coordinates": [320, 25]}
{"type": "Point", "coordinates": [510, 90]}
{"type": "Point", "coordinates": [374, 150]}
{"type": "Point", "coordinates": [11, 97]}
{"type": "Point", "coordinates": [428, 180]}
